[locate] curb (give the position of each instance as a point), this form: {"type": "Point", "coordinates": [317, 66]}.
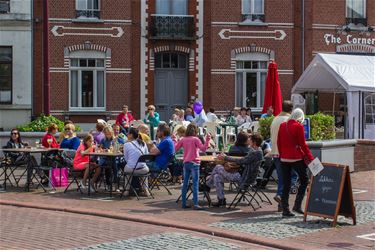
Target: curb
{"type": "Point", "coordinates": [166, 223]}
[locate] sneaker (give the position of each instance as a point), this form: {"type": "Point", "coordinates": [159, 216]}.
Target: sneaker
{"type": "Point", "coordinates": [81, 185]}
{"type": "Point", "coordinates": [220, 203]}
{"type": "Point", "coordinates": [277, 198]}
{"type": "Point", "coordinates": [197, 207]}
{"type": "Point", "coordinates": [298, 210]}
{"type": "Point", "coordinates": [288, 214]}
{"type": "Point", "coordinates": [92, 189]}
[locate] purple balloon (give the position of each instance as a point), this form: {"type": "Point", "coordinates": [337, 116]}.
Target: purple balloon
{"type": "Point", "coordinates": [198, 107]}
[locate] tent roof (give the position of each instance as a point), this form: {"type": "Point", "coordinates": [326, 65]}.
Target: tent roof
{"type": "Point", "coordinates": [338, 73]}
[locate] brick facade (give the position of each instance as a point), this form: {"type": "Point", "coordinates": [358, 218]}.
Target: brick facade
{"type": "Point", "coordinates": [212, 65]}
{"type": "Point", "coordinates": [364, 155]}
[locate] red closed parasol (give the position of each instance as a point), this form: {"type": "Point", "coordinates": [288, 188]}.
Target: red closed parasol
{"type": "Point", "coordinates": [272, 95]}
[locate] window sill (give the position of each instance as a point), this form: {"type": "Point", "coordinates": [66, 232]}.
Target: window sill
{"type": "Point", "coordinates": [87, 20]}
{"type": "Point", "coordinates": [252, 23]}
{"type": "Point", "coordinates": [84, 111]}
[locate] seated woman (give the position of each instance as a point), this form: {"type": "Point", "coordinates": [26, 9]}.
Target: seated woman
{"type": "Point", "coordinates": [17, 159]}
{"type": "Point", "coordinates": [242, 117]}
{"type": "Point", "coordinates": [71, 141]}
{"type": "Point", "coordinates": [81, 162]}
{"type": "Point", "coordinates": [15, 141]}
{"type": "Point", "coordinates": [98, 135]}
{"type": "Point", "coordinates": [230, 172]}
{"type": "Point", "coordinates": [133, 149]}
{"type": "Point", "coordinates": [49, 140]}
{"type": "Point", "coordinates": [107, 144]}
{"type": "Point", "coordinates": [241, 146]}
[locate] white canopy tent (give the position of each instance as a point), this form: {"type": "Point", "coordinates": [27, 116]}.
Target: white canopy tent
{"type": "Point", "coordinates": [339, 73]}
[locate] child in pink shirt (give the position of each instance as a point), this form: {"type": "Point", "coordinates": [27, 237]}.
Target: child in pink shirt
{"type": "Point", "coordinates": [191, 145]}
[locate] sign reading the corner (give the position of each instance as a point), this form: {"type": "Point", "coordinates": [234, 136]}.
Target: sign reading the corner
{"type": "Point", "coordinates": [349, 39]}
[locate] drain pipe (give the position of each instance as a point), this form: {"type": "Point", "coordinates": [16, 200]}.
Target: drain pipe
{"type": "Point", "coordinates": [32, 58]}
{"type": "Point", "coordinates": [303, 37]}
{"type": "Point", "coordinates": [46, 79]}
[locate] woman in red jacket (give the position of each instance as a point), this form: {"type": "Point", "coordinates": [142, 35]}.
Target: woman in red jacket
{"type": "Point", "coordinates": [293, 150]}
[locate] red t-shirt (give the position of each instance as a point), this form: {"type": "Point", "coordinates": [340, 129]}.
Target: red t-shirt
{"type": "Point", "coordinates": [79, 158]}
{"type": "Point", "coordinates": [54, 143]}
{"type": "Point", "coordinates": [124, 119]}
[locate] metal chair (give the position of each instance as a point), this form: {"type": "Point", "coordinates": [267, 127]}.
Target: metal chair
{"type": "Point", "coordinates": [248, 191]}
{"type": "Point", "coordinates": [129, 176]}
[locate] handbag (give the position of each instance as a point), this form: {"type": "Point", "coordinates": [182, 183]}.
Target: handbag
{"type": "Point", "coordinates": [59, 177]}
{"type": "Point", "coordinates": [305, 159]}
{"type": "Point", "coordinates": [231, 167]}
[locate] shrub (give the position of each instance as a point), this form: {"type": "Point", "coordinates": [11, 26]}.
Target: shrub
{"type": "Point", "coordinates": [321, 127]}
{"type": "Point", "coordinates": [265, 127]}
{"type": "Point", "coordinates": [41, 124]}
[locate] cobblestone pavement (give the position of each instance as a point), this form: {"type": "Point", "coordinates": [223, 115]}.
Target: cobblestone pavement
{"type": "Point", "coordinates": [166, 241]}
{"type": "Point", "coordinates": [274, 226]}
{"type": "Point", "coordinates": [26, 228]}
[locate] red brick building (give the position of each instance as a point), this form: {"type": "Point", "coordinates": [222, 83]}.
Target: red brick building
{"type": "Point", "coordinates": [104, 54]}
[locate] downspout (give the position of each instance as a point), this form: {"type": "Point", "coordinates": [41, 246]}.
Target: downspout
{"type": "Point", "coordinates": [46, 79]}
{"type": "Point", "coordinates": [303, 37]}
{"type": "Point", "coordinates": [32, 58]}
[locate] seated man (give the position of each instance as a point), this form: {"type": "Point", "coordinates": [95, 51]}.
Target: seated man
{"type": "Point", "coordinates": [249, 163]}
{"type": "Point", "coordinates": [164, 151]}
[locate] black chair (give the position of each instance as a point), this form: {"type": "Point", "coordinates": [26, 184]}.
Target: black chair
{"type": "Point", "coordinates": [12, 164]}
{"type": "Point", "coordinates": [75, 174]}
{"type": "Point", "coordinates": [129, 176]}
{"type": "Point", "coordinates": [161, 177]}
{"type": "Point", "coordinates": [232, 184]}
{"type": "Point", "coordinates": [248, 191]}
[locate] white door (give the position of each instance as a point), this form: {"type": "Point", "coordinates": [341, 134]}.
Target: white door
{"type": "Point", "coordinates": [369, 123]}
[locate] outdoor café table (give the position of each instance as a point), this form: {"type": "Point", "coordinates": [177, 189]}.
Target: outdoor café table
{"type": "Point", "coordinates": [27, 151]}
{"type": "Point", "coordinates": [112, 156]}
{"type": "Point", "coordinates": [225, 126]}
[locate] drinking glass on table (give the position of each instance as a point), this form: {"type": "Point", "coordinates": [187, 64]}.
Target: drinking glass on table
{"type": "Point", "coordinates": [37, 143]}
{"type": "Point", "coordinates": [49, 141]}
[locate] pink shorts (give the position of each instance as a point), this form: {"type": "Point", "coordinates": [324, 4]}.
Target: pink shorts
{"type": "Point", "coordinates": [81, 166]}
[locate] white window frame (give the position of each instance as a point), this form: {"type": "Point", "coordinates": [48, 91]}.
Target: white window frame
{"type": "Point", "coordinates": [87, 4]}
{"type": "Point", "coordinates": [364, 8]}
{"type": "Point", "coordinates": [252, 2]}
{"type": "Point", "coordinates": [95, 94]}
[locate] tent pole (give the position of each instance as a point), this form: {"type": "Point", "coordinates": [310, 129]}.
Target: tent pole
{"type": "Point", "coordinates": [333, 105]}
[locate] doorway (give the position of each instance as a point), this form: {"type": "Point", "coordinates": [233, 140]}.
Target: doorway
{"type": "Point", "coordinates": [171, 83]}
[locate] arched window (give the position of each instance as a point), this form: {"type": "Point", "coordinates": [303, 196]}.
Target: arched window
{"type": "Point", "coordinates": [251, 72]}
{"type": "Point", "coordinates": [87, 80]}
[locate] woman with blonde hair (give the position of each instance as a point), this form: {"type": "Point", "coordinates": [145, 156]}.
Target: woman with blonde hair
{"type": "Point", "coordinates": [71, 141]}
{"type": "Point", "coordinates": [294, 154]}
{"type": "Point", "coordinates": [152, 117]}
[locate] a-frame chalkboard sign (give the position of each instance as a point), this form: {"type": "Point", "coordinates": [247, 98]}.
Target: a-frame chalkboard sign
{"type": "Point", "coordinates": [330, 194]}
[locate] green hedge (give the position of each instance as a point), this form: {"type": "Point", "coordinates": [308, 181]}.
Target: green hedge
{"type": "Point", "coordinates": [321, 127]}
{"type": "Point", "coordinates": [41, 124]}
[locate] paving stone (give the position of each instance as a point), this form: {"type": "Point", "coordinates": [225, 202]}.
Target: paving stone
{"type": "Point", "coordinates": [165, 241]}
{"type": "Point", "coordinates": [274, 226]}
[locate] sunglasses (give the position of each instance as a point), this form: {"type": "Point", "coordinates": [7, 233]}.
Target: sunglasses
{"type": "Point", "coordinates": [14, 133]}
{"type": "Point", "coordinates": [67, 129]}
{"type": "Point", "coordinates": [150, 109]}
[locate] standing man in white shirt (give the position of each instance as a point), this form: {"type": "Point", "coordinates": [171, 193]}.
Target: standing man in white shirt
{"type": "Point", "coordinates": [287, 108]}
